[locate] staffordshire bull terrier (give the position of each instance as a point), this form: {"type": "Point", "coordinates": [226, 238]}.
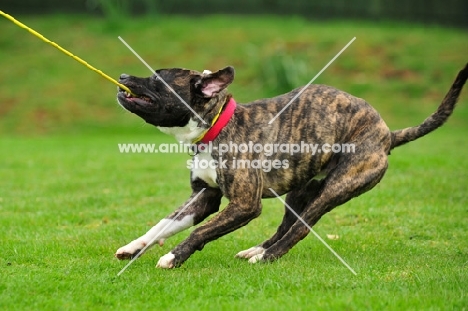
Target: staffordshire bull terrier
{"type": "Point", "coordinates": [315, 182]}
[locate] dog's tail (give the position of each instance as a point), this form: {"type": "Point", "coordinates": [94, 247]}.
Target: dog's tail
{"type": "Point", "coordinates": [403, 136]}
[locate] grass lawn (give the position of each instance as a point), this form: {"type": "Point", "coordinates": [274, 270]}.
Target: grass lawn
{"type": "Point", "coordinates": [69, 199]}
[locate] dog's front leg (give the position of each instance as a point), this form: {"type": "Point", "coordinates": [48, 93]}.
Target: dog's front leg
{"type": "Point", "coordinates": [245, 205]}
{"type": "Point", "coordinates": [206, 203]}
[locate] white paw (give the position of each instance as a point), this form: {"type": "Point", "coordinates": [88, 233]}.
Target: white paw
{"type": "Point", "coordinates": [166, 261]}
{"type": "Point", "coordinates": [256, 258]}
{"type": "Point", "coordinates": [130, 250]}
{"type": "Point", "coordinates": [249, 253]}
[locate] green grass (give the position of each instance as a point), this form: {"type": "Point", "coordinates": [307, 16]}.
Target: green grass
{"type": "Point", "coordinates": [69, 202]}
{"type": "Point", "coordinates": [68, 199]}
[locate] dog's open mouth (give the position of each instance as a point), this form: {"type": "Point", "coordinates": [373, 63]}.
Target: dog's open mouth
{"type": "Point", "coordinates": [138, 99]}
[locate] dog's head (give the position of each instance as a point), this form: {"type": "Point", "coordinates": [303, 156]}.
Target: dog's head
{"type": "Point", "coordinates": [192, 92]}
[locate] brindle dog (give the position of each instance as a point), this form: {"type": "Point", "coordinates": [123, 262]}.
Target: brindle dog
{"type": "Point", "coordinates": [321, 115]}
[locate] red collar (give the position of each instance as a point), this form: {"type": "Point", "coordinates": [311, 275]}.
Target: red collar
{"type": "Point", "coordinates": [222, 121]}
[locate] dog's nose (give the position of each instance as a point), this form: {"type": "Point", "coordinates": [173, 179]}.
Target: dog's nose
{"type": "Point", "coordinates": [124, 76]}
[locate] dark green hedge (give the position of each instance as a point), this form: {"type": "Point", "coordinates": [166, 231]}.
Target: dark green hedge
{"type": "Point", "coordinates": [442, 12]}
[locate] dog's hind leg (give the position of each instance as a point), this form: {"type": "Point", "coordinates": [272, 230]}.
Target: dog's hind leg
{"type": "Point", "coordinates": [296, 199]}
{"type": "Point", "coordinates": [354, 175]}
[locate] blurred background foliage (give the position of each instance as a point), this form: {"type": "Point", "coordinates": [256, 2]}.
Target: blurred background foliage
{"type": "Point", "coordinates": [403, 61]}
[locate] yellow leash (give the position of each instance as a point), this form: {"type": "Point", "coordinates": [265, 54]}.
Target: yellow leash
{"type": "Point", "coordinates": [11, 18]}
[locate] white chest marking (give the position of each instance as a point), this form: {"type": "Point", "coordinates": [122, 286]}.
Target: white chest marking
{"type": "Point", "coordinates": [185, 133]}
{"type": "Point", "coordinates": [204, 167]}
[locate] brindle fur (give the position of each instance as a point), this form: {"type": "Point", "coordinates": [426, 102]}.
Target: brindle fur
{"type": "Point", "coordinates": [321, 115]}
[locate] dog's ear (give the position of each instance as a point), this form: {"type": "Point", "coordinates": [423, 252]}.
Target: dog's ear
{"type": "Point", "coordinates": [212, 83]}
